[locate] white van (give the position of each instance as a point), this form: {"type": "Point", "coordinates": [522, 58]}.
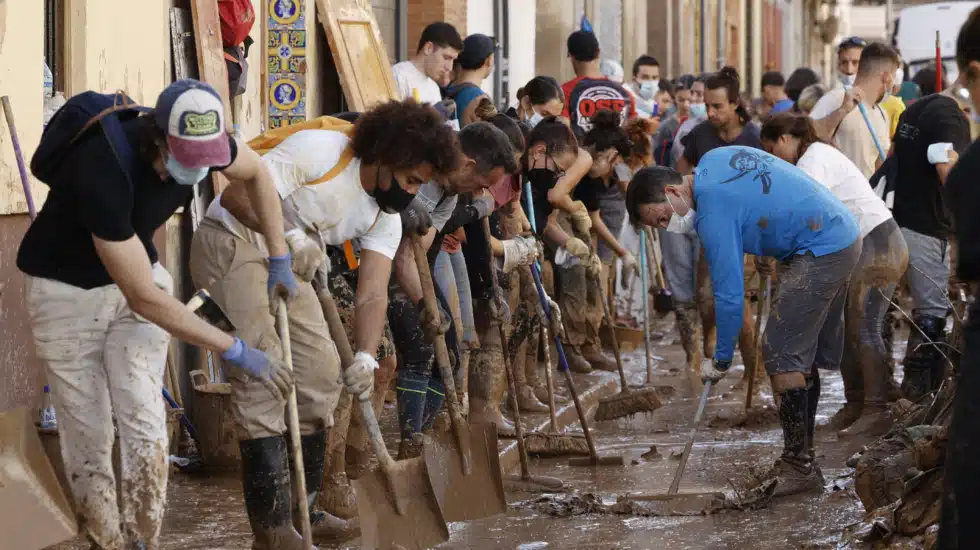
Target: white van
{"type": "Point", "coordinates": [915, 34]}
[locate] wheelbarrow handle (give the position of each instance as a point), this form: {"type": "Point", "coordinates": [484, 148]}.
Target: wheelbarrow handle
{"type": "Point", "coordinates": [442, 358]}
{"type": "Point", "coordinates": [346, 352]}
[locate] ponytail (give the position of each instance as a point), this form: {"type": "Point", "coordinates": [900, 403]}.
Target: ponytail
{"type": "Point", "coordinates": [798, 126]}
{"type": "Point", "coordinates": [728, 79]}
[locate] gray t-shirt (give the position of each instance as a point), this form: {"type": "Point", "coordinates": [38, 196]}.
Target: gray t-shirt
{"type": "Point", "coordinates": [428, 197]}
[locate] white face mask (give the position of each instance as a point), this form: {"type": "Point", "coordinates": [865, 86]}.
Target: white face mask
{"type": "Point", "coordinates": [183, 175]}
{"type": "Point", "coordinates": [847, 80]}
{"type": "Point", "coordinates": [534, 119]}
{"type": "Point", "coordinates": [681, 224]}
{"type": "Point", "coordinates": [648, 88]}
{"type": "Point", "coordinates": [899, 77]}
{"type": "Point", "coordinates": [623, 172]}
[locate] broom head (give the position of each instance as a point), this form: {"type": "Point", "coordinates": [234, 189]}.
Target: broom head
{"type": "Point", "coordinates": [628, 403]}
{"type": "Point", "coordinates": [544, 444]}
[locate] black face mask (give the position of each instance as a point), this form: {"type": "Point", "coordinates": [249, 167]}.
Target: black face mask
{"type": "Point", "coordinates": [542, 179]}
{"type": "Point", "coordinates": [394, 199]}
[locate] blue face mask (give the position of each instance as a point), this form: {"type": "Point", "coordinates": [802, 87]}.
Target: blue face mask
{"type": "Point", "coordinates": [648, 88]}
{"type": "Point", "coordinates": [699, 110]}
{"type": "Point", "coordinates": [183, 175]}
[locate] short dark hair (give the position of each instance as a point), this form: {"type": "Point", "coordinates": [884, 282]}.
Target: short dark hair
{"type": "Point", "coordinates": [799, 80]}
{"type": "Point", "coordinates": [875, 56]}
{"type": "Point", "coordinates": [489, 146]}
{"type": "Point", "coordinates": [583, 46]}
{"type": "Point", "coordinates": [648, 186]}
{"type": "Point", "coordinates": [684, 82]}
{"type": "Point", "coordinates": [926, 80]}
{"type": "Point", "coordinates": [442, 35]}
{"type": "Point", "coordinates": [968, 42]}
{"type": "Point", "coordinates": [773, 78]}
{"type": "Point", "coordinates": [401, 135]}
{"type": "Point", "coordinates": [512, 129]}
{"type": "Point", "coordinates": [644, 60]}
{"type": "Point", "coordinates": [666, 86]}
{"type": "Point", "coordinates": [540, 90]}
{"type": "Point", "coordinates": [607, 133]}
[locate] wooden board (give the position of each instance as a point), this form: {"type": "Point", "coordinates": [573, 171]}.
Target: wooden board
{"type": "Point", "coordinates": [211, 62]}
{"type": "Point", "coordinates": [286, 61]}
{"type": "Point", "coordinates": [183, 43]}
{"type": "Point", "coordinates": [359, 52]}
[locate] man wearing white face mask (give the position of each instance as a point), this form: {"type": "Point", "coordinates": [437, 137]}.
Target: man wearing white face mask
{"type": "Point", "coordinates": [741, 200]}
{"type": "Point", "coordinates": [100, 304]}
{"type": "Point", "coordinates": [645, 84]}
{"type": "Point", "coordinates": [848, 58]}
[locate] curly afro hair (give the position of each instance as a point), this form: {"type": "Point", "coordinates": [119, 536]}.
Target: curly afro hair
{"type": "Point", "coordinates": [401, 135]}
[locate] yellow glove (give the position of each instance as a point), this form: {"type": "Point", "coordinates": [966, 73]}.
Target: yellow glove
{"type": "Point", "coordinates": [580, 219]}
{"type": "Point", "coordinates": [577, 248]}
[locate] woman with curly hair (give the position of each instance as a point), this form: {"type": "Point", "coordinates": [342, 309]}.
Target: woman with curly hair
{"type": "Point", "coordinates": [335, 187]}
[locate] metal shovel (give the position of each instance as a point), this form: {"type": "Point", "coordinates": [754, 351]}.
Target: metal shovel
{"type": "Point", "coordinates": [464, 469]}
{"type": "Point", "coordinates": [395, 503]}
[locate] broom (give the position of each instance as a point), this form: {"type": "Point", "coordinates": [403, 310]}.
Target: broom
{"type": "Point", "coordinates": [626, 402]}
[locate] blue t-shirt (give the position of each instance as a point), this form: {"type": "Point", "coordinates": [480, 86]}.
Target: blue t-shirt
{"type": "Point", "coordinates": [463, 95]}
{"type": "Point", "coordinates": [781, 106]}
{"type": "Point", "coordinates": [749, 201]}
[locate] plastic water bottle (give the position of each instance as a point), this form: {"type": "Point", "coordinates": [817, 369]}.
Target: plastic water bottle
{"type": "Point", "coordinates": [48, 419]}
{"type": "Point", "coordinates": [48, 82]}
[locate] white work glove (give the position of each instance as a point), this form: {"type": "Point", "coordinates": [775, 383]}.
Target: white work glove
{"type": "Point", "coordinates": [630, 266]}
{"type": "Point", "coordinates": [580, 218]}
{"type": "Point", "coordinates": [359, 376]}
{"type": "Point", "coordinates": [555, 319]}
{"type": "Point", "coordinates": [594, 265]}
{"type": "Point", "coordinates": [519, 251]}
{"type": "Point", "coordinates": [713, 371]}
{"type": "Point", "coordinates": [307, 254]}
{"type": "Point", "coordinates": [577, 248]}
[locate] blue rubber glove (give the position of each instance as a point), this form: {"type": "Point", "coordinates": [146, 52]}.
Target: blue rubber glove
{"type": "Point", "coordinates": [273, 373]}
{"type": "Point", "coordinates": [282, 281]}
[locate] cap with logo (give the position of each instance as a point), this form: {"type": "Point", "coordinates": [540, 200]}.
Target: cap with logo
{"type": "Point", "coordinates": [192, 114]}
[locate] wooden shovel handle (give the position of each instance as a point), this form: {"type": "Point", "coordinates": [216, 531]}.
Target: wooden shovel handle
{"type": "Point", "coordinates": [442, 357]}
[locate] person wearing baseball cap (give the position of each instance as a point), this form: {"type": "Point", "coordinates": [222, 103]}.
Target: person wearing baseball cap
{"type": "Point", "coordinates": [100, 304]}
{"type": "Point", "coordinates": [473, 66]}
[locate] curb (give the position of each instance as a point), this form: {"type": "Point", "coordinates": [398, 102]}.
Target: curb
{"type": "Point", "coordinates": [591, 388]}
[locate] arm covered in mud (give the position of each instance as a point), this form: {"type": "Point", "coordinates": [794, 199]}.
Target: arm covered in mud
{"type": "Point", "coordinates": [721, 237]}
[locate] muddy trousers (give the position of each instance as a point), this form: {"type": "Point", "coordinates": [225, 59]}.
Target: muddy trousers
{"type": "Point", "coordinates": [579, 300]}
{"type": "Point", "coordinates": [865, 364]}
{"type": "Point", "coordinates": [958, 527]}
{"type": "Point", "coordinates": [418, 383]}
{"type": "Point", "coordinates": [106, 363]}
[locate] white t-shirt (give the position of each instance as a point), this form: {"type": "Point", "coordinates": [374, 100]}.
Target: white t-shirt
{"type": "Point", "coordinates": [852, 137]}
{"type": "Point", "coordinates": [336, 210]}
{"type": "Point", "coordinates": [408, 78]}
{"type": "Point", "coordinates": [835, 172]}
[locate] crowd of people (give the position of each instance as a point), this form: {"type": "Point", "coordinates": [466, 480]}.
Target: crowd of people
{"type": "Point", "coordinates": [836, 190]}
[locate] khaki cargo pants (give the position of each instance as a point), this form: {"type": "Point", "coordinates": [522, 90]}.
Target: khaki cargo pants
{"type": "Point", "coordinates": [106, 363]}
{"type": "Point", "coordinates": [236, 274]}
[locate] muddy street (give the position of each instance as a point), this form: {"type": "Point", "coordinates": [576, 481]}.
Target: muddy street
{"type": "Point", "coordinates": [207, 512]}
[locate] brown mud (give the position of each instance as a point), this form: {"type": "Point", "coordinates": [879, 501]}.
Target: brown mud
{"type": "Point", "coordinates": [206, 512]}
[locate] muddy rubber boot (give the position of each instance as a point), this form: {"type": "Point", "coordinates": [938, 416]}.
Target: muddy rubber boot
{"type": "Point", "coordinates": [794, 472]}
{"type": "Point", "coordinates": [326, 527]}
{"type": "Point", "coordinates": [812, 400]}
{"type": "Point", "coordinates": [844, 417]}
{"type": "Point", "coordinates": [487, 387]}
{"type": "Point", "coordinates": [267, 489]}
{"type": "Point", "coordinates": [598, 359]}
{"type": "Point", "coordinates": [576, 362]}
{"type": "Point", "coordinates": [410, 447]}
{"type": "Point", "coordinates": [536, 379]}
{"type": "Point", "coordinates": [527, 400]}
{"type": "Point", "coordinates": [876, 416]}
{"type": "Point", "coordinates": [923, 362]}
{"type": "Point", "coordinates": [689, 328]}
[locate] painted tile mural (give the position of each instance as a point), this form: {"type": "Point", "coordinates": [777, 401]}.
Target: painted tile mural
{"type": "Point", "coordinates": [286, 62]}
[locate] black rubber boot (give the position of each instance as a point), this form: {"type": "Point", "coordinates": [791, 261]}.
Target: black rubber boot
{"type": "Point", "coordinates": [266, 488]}
{"type": "Point", "coordinates": [812, 399]}
{"type": "Point", "coordinates": [326, 527]}
{"type": "Point", "coordinates": [794, 471]}
{"type": "Point", "coordinates": [924, 363]}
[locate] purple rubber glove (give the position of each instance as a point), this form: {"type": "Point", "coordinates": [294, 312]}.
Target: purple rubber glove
{"type": "Point", "coordinates": [282, 281]}
{"type": "Point", "coordinates": [273, 373]}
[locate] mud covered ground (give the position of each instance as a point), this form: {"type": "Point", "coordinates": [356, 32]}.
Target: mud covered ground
{"type": "Point", "coordinates": [207, 513]}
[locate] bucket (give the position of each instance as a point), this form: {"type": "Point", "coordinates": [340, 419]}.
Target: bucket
{"type": "Point", "coordinates": [214, 422]}
{"type": "Point", "coordinates": [30, 493]}
{"type": "Point", "coordinates": [629, 338]}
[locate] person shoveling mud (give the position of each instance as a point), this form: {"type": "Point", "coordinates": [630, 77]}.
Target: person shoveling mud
{"type": "Point", "coordinates": [742, 200]}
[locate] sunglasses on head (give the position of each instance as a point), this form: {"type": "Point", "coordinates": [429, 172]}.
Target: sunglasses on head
{"type": "Point", "coordinates": [852, 42]}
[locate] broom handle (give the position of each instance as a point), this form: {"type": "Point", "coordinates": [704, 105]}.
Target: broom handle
{"type": "Point", "coordinates": [676, 484]}
{"type": "Point", "coordinates": [293, 423]}
{"type": "Point", "coordinates": [547, 372]}
{"type": "Point", "coordinates": [612, 333]}
{"type": "Point", "coordinates": [8, 112]}
{"type": "Point", "coordinates": [442, 358]}
{"type": "Point", "coordinates": [661, 282]}
{"type": "Point", "coordinates": [763, 288]}
{"type": "Point", "coordinates": [563, 367]}
{"type": "Point", "coordinates": [645, 260]}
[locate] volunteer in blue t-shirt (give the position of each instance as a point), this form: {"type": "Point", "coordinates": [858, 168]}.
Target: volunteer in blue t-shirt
{"type": "Point", "coordinates": [742, 200]}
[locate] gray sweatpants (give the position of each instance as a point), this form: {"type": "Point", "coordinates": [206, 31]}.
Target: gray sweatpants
{"type": "Point", "coordinates": [928, 273]}
{"type": "Point", "coordinates": [681, 255]}
{"type": "Point", "coordinates": [806, 327]}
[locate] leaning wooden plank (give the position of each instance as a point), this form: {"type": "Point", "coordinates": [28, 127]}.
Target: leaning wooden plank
{"type": "Point", "coordinates": [211, 62]}
{"type": "Point", "coordinates": [359, 52]}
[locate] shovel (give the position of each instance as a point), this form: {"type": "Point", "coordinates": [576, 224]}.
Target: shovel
{"type": "Point", "coordinates": [464, 470]}
{"type": "Point", "coordinates": [663, 302]}
{"type": "Point", "coordinates": [395, 503]}
{"type": "Point", "coordinates": [761, 317]}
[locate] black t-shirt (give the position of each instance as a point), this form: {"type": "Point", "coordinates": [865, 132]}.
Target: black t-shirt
{"type": "Point", "coordinates": [539, 198]}
{"type": "Point", "coordinates": [704, 138]}
{"type": "Point", "coordinates": [590, 191]}
{"type": "Point", "coordinates": [963, 195]}
{"type": "Point", "coordinates": [919, 204]}
{"type": "Point", "coordinates": [91, 195]}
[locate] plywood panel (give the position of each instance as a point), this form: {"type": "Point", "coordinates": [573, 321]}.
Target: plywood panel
{"type": "Point", "coordinates": [210, 53]}
{"type": "Point", "coordinates": [251, 116]}
{"type": "Point", "coordinates": [21, 377]}
{"type": "Point", "coordinates": [21, 62]}
{"type": "Point", "coordinates": [359, 52]}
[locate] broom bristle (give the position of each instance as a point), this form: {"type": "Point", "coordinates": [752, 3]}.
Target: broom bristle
{"type": "Point", "coordinates": [628, 403]}
{"type": "Point", "coordinates": [543, 444]}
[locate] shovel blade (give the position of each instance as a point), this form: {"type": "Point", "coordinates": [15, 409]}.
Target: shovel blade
{"type": "Point", "coordinates": [422, 525]}
{"type": "Point", "coordinates": [466, 497]}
